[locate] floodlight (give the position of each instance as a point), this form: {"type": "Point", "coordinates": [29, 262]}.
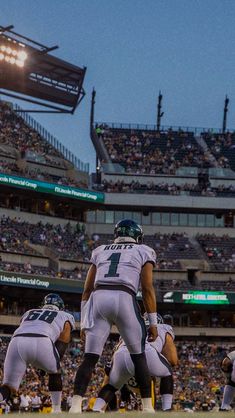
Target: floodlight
{"type": "Point", "coordinates": [29, 73]}
{"type": "Point", "coordinates": [22, 55]}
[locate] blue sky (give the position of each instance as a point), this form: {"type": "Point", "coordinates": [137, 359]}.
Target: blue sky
{"type": "Point", "coordinates": [132, 49]}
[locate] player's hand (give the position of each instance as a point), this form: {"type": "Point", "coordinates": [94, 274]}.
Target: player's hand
{"type": "Point", "coordinates": [152, 333]}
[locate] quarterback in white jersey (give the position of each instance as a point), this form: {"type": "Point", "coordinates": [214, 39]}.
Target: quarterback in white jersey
{"type": "Point", "coordinates": [109, 298]}
{"type": "Point", "coordinates": [123, 372]}
{"type": "Point", "coordinates": [40, 340]}
{"type": "Point", "coordinates": [121, 263]}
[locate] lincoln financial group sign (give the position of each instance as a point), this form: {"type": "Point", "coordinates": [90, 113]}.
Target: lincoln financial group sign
{"type": "Point", "coordinates": [51, 188]}
{"type": "Point", "coordinates": [40, 282]}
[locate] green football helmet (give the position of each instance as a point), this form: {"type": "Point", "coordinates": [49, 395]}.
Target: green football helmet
{"type": "Point", "coordinates": [129, 228]}
{"type": "Point", "coordinates": [52, 299]}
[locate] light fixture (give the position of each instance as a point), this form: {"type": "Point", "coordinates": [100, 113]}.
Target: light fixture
{"type": "Point", "coordinates": [22, 55]}
{"type": "Point", "coordinates": [13, 56]}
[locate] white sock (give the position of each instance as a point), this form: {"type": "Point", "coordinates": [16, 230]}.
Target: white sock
{"type": "Point", "coordinates": [147, 405]}
{"type": "Point", "coordinates": [76, 406]}
{"type": "Point", "coordinates": [99, 404]}
{"type": "Point", "coordinates": [56, 400]}
{"type": "Point", "coordinates": [229, 392]}
{"type": "Point", "coordinates": [166, 401]}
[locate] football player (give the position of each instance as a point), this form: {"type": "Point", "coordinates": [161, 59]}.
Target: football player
{"type": "Point", "coordinates": [109, 298]}
{"type": "Point", "coordinates": [228, 367]}
{"type": "Point", "coordinates": [40, 340]}
{"type": "Point", "coordinates": [161, 356]}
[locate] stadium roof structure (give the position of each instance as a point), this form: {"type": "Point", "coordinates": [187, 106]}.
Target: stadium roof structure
{"type": "Point", "coordinates": [28, 72]}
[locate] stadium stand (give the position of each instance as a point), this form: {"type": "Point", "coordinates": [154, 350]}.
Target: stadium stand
{"type": "Point", "coordinates": [220, 251]}
{"type": "Point", "coordinates": [23, 151]}
{"type": "Point", "coordinates": [73, 243]}
{"type": "Point", "coordinates": [222, 146]}
{"type": "Point", "coordinates": [152, 152]}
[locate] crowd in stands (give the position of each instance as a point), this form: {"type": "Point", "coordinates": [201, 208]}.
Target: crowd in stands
{"type": "Point", "coordinates": [16, 133]}
{"type": "Point", "coordinates": [172, 246]}
{"type": "Point", "coordinates": [198, 380]}
{"type": "Point", "coordinates": [73, 243]}
{"type": "Point", "coordinates": [222, 146]}
{"type": "Point", "coordinates": [153, 152]}
{"type": "Point", "coordinates": [150, 187]}
{"type": "Point", "coordinates": [17, 235]}
{"type": "Point", "coordinates": [24, 142]}
{"type": "Point", "coordinates": [220, 251]}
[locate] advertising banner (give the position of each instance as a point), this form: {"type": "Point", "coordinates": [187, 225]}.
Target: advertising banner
{"type": "Point", "coordinates": [40, 282]}
{"type": "Point", "coordinates": [51, 188]}
{"type": "Point", "coordinates": [200, 297]}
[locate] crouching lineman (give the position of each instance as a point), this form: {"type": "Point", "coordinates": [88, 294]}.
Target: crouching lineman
{"type": "Point", "coordinates": [161, 355]}
{"type": "Point", "coordinates": [40, 340]}
{"type": "Point", "coordinates": [228, 367]}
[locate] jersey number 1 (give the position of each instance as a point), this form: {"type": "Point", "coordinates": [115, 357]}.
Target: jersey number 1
{"type": "Point", "coordinates": [114, 258]}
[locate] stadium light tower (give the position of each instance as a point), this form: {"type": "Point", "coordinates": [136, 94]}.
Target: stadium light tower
{"type": "Point", "coordinates": [226, 102]}
{"type": "Point", "coordinates": [159, 112]}
{"type": "Point", "coordinates": [28, 72]}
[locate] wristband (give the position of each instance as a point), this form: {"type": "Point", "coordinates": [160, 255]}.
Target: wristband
{"type": "Point", "coordinates": [152, 317]}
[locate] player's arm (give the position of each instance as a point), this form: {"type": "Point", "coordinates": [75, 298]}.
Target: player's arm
{"type": "Point", "coordinates": [169, 350]}
{"type": "Point", "coordinates": [89, 283]}
{"type": "Point", "coordinates": [64, 339]}
{"type": "Point", "coordinates": [88, 289]}
{"type": "Point", "coordinates": [149, 299]}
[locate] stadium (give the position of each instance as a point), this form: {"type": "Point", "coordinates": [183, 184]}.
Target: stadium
{"type": "Point", "coordinates": [177, 182]}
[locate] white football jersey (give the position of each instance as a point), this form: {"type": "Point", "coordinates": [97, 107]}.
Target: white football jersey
{"type": "Point", "coordinates": [45, 322]}
{"type": "Point", "coordinates": [121, 263]}
{"type": "Point", "coordinates": [163, 330]}
{"type": "Point", "coordinates": [158, 344]}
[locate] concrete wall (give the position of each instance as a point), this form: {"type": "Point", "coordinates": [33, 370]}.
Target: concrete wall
{"type": "Point", "coordinates": [169, 202]}
{"type": "Point", "coordinates": [20, 258]}
{"type": "Point", "coordinates": [152, 229]}
{"type": "Point", "coordinates": [34, 218]}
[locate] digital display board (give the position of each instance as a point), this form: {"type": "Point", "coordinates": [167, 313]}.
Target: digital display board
{"type": "Point", "coordinates": [200, 297]}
